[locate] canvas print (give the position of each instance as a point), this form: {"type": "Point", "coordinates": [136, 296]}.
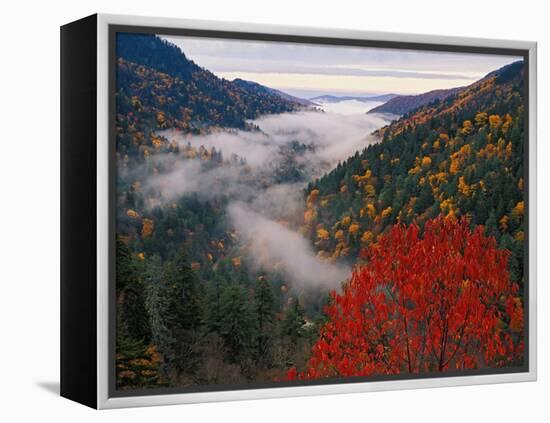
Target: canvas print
{"type": "Point", "coordinates": [291, 213]}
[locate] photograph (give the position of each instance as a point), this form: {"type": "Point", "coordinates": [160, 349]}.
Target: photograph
{"type": "Point", "coordinates": [291, 212]}
{"type": "Point", "coordinates": [232, 211]}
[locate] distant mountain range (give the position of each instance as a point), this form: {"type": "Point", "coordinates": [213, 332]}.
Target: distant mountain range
{"type": "Point", "coordinates": [399, 105]}
{"type": "Point", "coordinates": [327, 98]}
{"type": "Point", "coordinates": [251, 85]}
{"type": "Point", "coordinates": [403, 104]}
{"type": "Point", "coordinates": [461, 103]}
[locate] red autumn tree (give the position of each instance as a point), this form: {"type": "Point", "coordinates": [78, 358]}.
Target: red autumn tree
{"type": "Point", "coordinates": [428, 301]}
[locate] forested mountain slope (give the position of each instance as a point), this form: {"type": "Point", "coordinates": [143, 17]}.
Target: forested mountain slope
{"type": "Point", "coordinates": [254, 86]}
{"type": "Point", "coordinates": [160, 88]}
{"type": "Point", "coordinates": [399, 105]}
{"type": "Point", "coordinates": [459, 157]}
{"type": "Point", "coordinates": [190, 310]}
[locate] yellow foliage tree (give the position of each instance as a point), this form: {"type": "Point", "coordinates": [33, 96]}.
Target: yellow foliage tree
{"type": "Point", "coordinates": [517, 211]}
{"type": "Point", "coordinates": [507, 123]}
{"type": "Point", "coordinates": [467, 127]}
{"type": "Point", "coordinates": [310, 216]}
{"type": "Point", "coordinates": [353, 228]}
{"type": "Point", "coordinates": [371, 210]}
{"type": "Point", "coordinates": [147, 228]}
{"type": "Point", "coordinates": [519, 236]}
{"type": "Point", "coordinates": [322, 233]}
{"type": "Point", "coordinates": [386, 212]}
{"type": "Point", "coordinates": [447, 206]}
{"type": "Point", "coordinates": [509, 150]}
{"type": "Point", "coordinates": [157, 143]}
{"type": "Point", "coordinates": [312, 197]}
{"type": "Point", "coordinates": [367, 237]}
{"type": "Point", "coordinates": [369, 189]}
{"type": "Point", "coordinates": [481, 119]}
{"type": "Point", "coordinates": [463, 187]}
{"type": "Point", "coordinates": [494, 121]}
{"type": "Point", "coordinates": [132, 214]}
{"type": "Point", "coordinates": [504, 223]}
{"type": "Point", "coordinates": [161, 119]}
{"type": "Point", "coordinates": [459, 158]}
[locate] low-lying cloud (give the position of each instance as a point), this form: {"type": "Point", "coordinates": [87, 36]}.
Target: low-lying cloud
{"type": "Point", "coordinates": [287, 152]}
{"type": "Point", "coordinates": [274, 246]}
{"type": "Point", "coordinates": [335, 136]}
{"type": "Point", "coordinates": [305, 144]}
{"type": "Point", "coordinates": [190, 176]}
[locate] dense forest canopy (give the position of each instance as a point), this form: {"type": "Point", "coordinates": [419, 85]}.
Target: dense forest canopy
{"type": "Point", "coordinates": [234, 268]}
{"type": "Point", "coordinates": [459, 157]}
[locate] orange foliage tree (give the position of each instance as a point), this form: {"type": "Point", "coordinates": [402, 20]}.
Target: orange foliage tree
{"type": "Point", "coordinates": [425, 301]}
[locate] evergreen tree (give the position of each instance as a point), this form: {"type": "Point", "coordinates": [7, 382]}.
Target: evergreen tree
{"type": "Point", "coordinates": [137, 364]}
{"type": "Point", "coordinates": [265, 311]}
{"type": "Point", "coordinates": [293, 324]}
{"type": "Point", "coordinates": [156, 302]}
{"type": "Point", "coordinates": [491, 228]}
{"type": "Point", "coordinates": [130, 297]}
{"type": "Point", "coordinates": [183, 310]}
{"type": "Point", "coordinates": [213, 304]}
{"type": "Point", "coordinates": [238, 324]}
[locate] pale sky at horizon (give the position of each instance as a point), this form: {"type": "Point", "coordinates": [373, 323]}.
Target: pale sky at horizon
{"type": "Point", "coordinates": [308, 70]}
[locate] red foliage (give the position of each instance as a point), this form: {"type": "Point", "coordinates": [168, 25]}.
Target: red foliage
{"type": "Point", "coordinates": [422, 303]}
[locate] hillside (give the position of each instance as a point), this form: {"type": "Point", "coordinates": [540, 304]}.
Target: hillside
{"type": "Point", "coordinates": [254, 86]}
{"type": "Point", "coordinates": [459, 157]}
{"type": "Point", "coordinates": [160, 88]}
{"type": "Point", "coordinates": [399, 105]}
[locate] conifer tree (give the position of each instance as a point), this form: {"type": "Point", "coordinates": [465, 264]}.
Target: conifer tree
{"type": "Point", "coordinates": [238, 324]}
{"type": "Point", "coordinates": [294, 321]}
{"type": "Point", "coordinates": [265, 310]}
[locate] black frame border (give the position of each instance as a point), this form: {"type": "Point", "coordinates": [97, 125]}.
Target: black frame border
{"type": "Point", "coordinates": [113, 29]}
{"type": "Point", "coordinates": [78, 211]}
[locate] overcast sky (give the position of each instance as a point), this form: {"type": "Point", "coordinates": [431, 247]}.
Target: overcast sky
{"type": "Point", "coordinates": [308, 70]}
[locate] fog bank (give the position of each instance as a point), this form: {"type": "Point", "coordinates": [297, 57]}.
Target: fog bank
{"type": "Point", "coordinates": [274, 246]}
{"type": "Point", "coordinates": [265, 190]}
{"type": "Point", "coordinates": [332, 136]}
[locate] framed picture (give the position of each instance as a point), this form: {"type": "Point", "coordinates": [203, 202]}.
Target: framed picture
{"type": "Point", "coordinates": [255, 211]}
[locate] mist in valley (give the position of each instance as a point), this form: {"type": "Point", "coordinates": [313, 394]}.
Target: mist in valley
{"type": "Point", "coordinates": [263, 180]}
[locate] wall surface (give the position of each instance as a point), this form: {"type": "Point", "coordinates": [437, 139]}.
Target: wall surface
{"type": "Point", "coordinates": [29, 216]}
